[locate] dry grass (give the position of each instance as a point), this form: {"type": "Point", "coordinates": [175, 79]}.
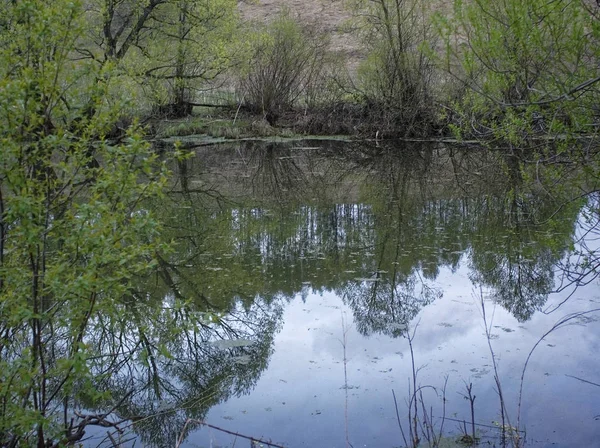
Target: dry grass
{"type": "Point", "coordinates": [330, 16]}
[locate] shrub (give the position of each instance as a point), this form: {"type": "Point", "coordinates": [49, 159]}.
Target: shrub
{"type": "Point", "coordinates": [285, 59]}
{"type": "Point", "coordinates": [396, 80]}
{"type": "Point", "coordinates": [530, 67]}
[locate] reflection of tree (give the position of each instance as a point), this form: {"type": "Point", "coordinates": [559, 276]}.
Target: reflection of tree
{"type": "Point", "coordinates": [276, 172]}
{"type": "Point", "coordinates": [514, 254]}
{"type": "Point", "coordinates": [387, 306]}
{"type": "Point", "coordinates": [387, 302]}
{"type": "Point", "coordinates": [520, 284]}
{"type": "Point", "coordinates": [325, 218]}
{"type": "Point", "coordinates": [376, 225]}
{"type": "Point", "coordinates": [190, 337]}
{"type": "Point", "coordinates": [181, 369]}
{"type": "Point", "coordinates": [265, 244]}
{"type": "Point", "coordinates": [423, 224]}
{"type": "Point", "coordinates": [189, 367]}
{"type": "Point", "coordinates": [583, 267]}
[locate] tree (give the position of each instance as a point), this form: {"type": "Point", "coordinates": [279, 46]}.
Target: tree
{"type": "Point", "coordinates": [396, 79]}
{"type": "Point", "coordinates": [528, 67]}
{"type": "Point", "coordinates": [202, 34]}
{"type": "Point", "coordinates": [164, 48]}
{"type": "Point", "coordinates": [73, 234]}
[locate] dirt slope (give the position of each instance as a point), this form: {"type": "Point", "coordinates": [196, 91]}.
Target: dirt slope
{"type": "Point", "coordinates": [328, 15]}
{"type": "Point", "coordinates": [331, 16]}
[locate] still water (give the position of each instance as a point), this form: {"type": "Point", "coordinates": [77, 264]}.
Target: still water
{"type": "Point", "coordinates": [312, 267]}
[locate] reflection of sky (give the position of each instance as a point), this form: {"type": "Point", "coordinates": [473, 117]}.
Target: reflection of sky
{"type": "Point", "coordinates": [299, 401]}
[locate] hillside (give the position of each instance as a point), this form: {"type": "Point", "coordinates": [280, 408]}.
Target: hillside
{"type": "Point", "coordinates": [330, 16]}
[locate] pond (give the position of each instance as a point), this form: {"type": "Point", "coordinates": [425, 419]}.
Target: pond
{"type": "Point", "coordinates": [325, 281]}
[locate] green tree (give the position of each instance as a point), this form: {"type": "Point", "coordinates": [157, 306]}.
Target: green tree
{"type": "Point", "coordinates": [202, 34]}
{"type": "Point", "coordinates": [165, 50]}
{"type": "Point", "coordinates": [528, 67]}
{"type": "Point", "coordinates": [73, 229]}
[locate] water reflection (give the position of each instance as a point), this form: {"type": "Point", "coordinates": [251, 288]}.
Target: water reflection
{"type": "Point", "coordinates": [390, 217]}
{"type": "Point", "coordinates": [164, 366]}
{"type": "Point", "coordinates": [583, 267]}
{"type": "Point", "coordinates": [258, 224]}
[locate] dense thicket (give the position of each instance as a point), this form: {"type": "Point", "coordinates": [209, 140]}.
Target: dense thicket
{"type": "Point", "coordinates": [525, 68]}
{"type": "Point", "coordinates": [507, 71]}
{"type": "Point", "coordinates": [494, 70]}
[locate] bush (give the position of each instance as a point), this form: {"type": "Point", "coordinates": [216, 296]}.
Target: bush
{"type": "Point", "coordinates": [530, 67]}
{"type": "Point", "coordinates": [286, 59]}
{"type": "Point", "coordinates": [396, 80]}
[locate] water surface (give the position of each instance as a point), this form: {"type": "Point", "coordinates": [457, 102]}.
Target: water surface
{"type": "Point", "coordinates": [309, 265]}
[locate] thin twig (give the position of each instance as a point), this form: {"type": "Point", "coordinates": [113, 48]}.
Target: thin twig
{"type": "Point", "coordinates": [582, 380]}
{"type": "Point", "coordinates": [414, 429]}
{"type": "Point", "coordinates": [504, 414]}
{"type": "Point", "coordinates": [562, 322]}
{"type": "Point", "coordinates": [398, 418]}
{"type": "Point", "coordinates": [233, 433]}
{"type": "Point", "coordinates": [344, 341]}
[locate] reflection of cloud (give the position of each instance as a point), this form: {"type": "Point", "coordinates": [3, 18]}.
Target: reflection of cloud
{"type": "Point", "coordinates": [306, 372]}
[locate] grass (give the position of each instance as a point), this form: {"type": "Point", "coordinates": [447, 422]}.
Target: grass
{"type": "Point", "coordinates": [218, 125]}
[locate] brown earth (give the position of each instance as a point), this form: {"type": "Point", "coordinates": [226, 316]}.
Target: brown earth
{"type": "Point", "coordinates": [329, 16]}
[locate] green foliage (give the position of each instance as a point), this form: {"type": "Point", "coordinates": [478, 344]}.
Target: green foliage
{"type": "Point", "coordinates": [73, 229]}
{"type": "Point", "coordinates": [525, 65]}
{"type": "Point", "coordinates": [164, 51]}
{"type": "Point", "coordinates": [201, 40]}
